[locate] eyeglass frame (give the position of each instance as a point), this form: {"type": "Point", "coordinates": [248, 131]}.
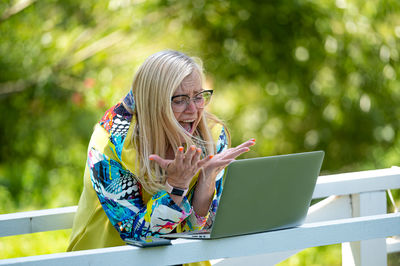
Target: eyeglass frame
{"type": "Point", "coordinates": [191, 99]}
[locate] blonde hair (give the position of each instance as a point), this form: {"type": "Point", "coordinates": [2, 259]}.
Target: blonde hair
{"type": "Point", "coordinates": [156, 128]}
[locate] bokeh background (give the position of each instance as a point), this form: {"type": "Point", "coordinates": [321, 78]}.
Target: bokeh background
{"type": "Point", "coordinates": [296, 75]}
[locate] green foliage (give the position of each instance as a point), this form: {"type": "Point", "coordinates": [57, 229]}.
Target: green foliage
{"type": "Point", "coordinates": [306, 75]}
{"type": "Point", "coordinates": [56, 80]}
{"type": "Point", "coordinates": [325, 255]}
{"type": "Point", "coordinates": [296, 75]}
{"type": "Point", "coordinates": [34, 244]}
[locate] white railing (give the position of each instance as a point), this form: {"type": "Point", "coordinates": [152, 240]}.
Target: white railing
{"type": "Point", "coordinates": [354, 214]}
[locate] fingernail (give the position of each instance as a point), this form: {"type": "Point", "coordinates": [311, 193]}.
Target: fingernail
{"type": "Point", "coordinates": [151, 158]}
{"type": "Point", "coordinates": [180, 148]}
{"type": "Point", "coordinates": [253, 139]}
{"type": "Point", "coordinates": [198, 150]}
{"type": "Point", "coordinates": [210, 157]}
{"type": "Point", "coordinates": [248, 149]}
{"type": "Point", "coordinates": [192, 148]}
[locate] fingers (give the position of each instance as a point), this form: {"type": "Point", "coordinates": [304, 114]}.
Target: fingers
{"type": "Point", "coordinates": [191, 157]}
{"type": "Point", "coordinates": [196, 156]}
{"type": "Point", "coordinates": [201, 163]}
{"type": "Point", "coordinates": [248, 143]}
{"type": "Point", "coordinates": [179, 155]}
{"type": "Point", "coordinates": [240, 149]}
{"type": "Point", "coordinates": [161, 162]}
{"type": "Point", "coordinates": [221, 164]}
{"type": "Point", "coordinates": [191, 151]}
{"type": "Point", "coordinates": [212, 165]}
{"type": "Point", "coordinates": [237, 152]}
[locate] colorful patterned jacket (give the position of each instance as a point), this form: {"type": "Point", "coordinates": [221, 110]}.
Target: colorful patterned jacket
{"type": "Point", "coordinates": [113, 205]}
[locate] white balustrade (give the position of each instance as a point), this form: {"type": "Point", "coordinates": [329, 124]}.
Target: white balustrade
{"type": "Point", "coordinates": [353, 213]}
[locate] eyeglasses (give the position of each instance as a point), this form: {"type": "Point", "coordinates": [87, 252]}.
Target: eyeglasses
{"type": "Point", "coordinates": [179, 103]}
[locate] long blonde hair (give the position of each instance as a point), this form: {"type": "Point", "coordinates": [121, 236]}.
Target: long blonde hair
{"type": "Point", "coordinates": [156, 128]}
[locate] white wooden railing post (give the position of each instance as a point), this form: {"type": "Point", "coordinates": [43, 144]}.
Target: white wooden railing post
{"type": "Point", "coordinates": [368, 252]}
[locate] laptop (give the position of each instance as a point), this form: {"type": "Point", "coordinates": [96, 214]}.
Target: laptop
{"type": "Point", "coordinates": [263, 194]}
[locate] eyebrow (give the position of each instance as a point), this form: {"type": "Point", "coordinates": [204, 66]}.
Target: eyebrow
{"type": "Point", "coordinates": [180, 95]}
{"type": "Point", "coordinates": [197, 92]}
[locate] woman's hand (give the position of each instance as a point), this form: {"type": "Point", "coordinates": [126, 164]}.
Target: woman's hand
{"type": "Point", "coordinates": [183, 168]}
{"type": "Point", "coordinates": [221, 160]}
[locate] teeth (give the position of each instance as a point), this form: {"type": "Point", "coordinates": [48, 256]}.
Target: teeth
{"type": "Point", "coordinates": [187, 121]}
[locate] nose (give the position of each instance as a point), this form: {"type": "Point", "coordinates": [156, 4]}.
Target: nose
{"type": "Point", "coordinates": [191, 108]}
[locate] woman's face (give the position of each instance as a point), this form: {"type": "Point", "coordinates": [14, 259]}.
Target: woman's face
{"type": "Point", "coordinates": [190, 117]}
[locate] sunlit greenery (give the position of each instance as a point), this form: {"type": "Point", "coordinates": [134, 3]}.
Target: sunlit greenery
{"type": "Point", "coordinates": [296, 75]}
{"type": "Point", "coordinates": [34, 244]}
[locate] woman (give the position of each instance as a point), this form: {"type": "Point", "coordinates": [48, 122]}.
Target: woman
{"type": "Point", "coordinates": [155, 160]}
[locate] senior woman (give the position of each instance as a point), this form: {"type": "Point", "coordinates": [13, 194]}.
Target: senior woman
{"type": "Point", "coordinates": [155, 160]}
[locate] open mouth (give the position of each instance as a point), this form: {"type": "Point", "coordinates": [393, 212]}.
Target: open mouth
{"type": "Point", "coordinates": [187, 125]}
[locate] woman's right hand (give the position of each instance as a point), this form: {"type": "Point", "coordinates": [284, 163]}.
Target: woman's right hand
{"type": "Point", "coordinates": [183, 168]}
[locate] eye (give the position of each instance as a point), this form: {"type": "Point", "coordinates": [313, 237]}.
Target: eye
{"type": "Point", "coordinates": [179, 100]}
{"type": "Point", "coordinates": [198, 97]}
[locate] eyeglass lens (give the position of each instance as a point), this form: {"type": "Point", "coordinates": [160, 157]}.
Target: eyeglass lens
{"type": "Point", "coordinates": [180, 103]}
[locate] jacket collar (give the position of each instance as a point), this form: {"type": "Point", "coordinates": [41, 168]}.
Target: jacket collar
{"type": "Point", "coordinates": [129, 102]}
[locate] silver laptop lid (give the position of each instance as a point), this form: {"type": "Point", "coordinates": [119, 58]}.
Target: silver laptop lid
{"type": "Point", "coordinates": [266, 193]}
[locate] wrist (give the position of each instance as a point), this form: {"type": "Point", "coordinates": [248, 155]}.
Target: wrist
{"type": "Point", "coordinates": [176, 190]}
{"type": "Point", "coordinates": [207, 177]}
{"type": "Point", "coordinates": [205, 185]}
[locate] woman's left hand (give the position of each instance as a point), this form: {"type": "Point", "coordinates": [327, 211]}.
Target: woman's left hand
{"type": "Point", "coordinates": [218, 162]}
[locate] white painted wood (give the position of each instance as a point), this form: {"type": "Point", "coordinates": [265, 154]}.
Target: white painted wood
{"type": "Point", "coordinates": [36, 221]}
{"type": "Point", "coordinates": [184, 251]}
{"type": "Point", "coordinates": [332, 208]}
{"type": "Point", "coordinates": [370, 252]}
{"type": "Point", "coordinates": [369, 203]}
{"type": "Point", "coordinates": [258, 260]}
{"type": "Point", "coordinates": [393, 244]}
{"type": "Point", "coordinates": [357, 182]}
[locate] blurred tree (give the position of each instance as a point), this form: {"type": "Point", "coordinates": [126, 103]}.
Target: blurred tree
{"type": "Point", "coordinates": [297, 75]}
{"type": "Point", "coordinates": [306, 75]}
{"type": "Point", "coordinates": [55, 82]}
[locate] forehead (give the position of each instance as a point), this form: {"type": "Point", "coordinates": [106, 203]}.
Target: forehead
{"type": "Point", "coordinates": [190, 85]}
